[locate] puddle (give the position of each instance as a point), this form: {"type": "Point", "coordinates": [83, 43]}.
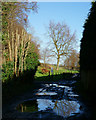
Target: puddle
{"type": "Point", "coordinates": [56, 89]}
{"type": "Point", "coordinates": [63, 108]}
{"type": "Point", "coordinates": [28, 106]}
{"type": "Point", "coordinates": [73, 95]}
{"type": "Point", "coordinates": [54, 85]}
{"type": "Point", "coordinates": [63, 104]}
{"type": "Point", "coordinates": [57, 85]}
{"type": "Point", "coordinates": [47, 93]}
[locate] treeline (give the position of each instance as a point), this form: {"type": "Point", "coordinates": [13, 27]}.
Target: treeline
{"type": "Point", "coordinates": [20, 52]}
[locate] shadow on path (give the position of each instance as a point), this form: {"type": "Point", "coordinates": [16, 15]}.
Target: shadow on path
{"type": "Point", "coordinates": [42, 91]}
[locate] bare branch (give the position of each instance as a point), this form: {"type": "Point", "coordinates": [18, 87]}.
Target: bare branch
{"type": "Point", "coordinates": [62, 39]}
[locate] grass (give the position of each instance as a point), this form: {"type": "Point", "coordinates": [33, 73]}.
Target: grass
{"type": "Point", "coordinates": [55, 72]}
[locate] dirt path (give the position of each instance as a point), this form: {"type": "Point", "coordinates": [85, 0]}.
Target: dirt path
{"type": "Point", "coordinates": [64, 94]}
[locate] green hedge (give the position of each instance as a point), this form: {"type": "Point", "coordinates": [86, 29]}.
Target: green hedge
{"type": "Point", "coordinates": [88, 42]}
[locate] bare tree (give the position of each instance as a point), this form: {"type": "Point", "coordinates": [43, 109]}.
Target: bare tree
{"type": "Point", "coordinates": [61, 39]}
{"type": "Point", "coordinates": [72, 61]}
{"type": "Point", "coordinates": [45, 55]}
{"type": "Point", "coordinates": [15, 39]}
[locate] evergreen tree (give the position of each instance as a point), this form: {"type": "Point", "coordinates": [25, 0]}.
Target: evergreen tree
{"type": "Point", "coordinates": [88, 42]}
{"type": "Point", "coordinates": [88, 52]}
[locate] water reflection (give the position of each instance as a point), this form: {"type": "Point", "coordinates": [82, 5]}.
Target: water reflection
{"type": "Point", "coordinates": [55, 89]}
{"type": "Point", "coordinates": [52, 89]}
{"type": "Point", "coordinates": [73, 95]}
{"type": "Point", "coordinates": [55, 85]}
{"type": "Point", "coordinates": [28, 106]}
{"type": "Point", "coordinates": [63, 108]}
{"type": "Point", "coordinates": [46, 93]}
{"type": "Point", "coordinates": [62, 103]}
{"type": "Point", "coordinates": [66, 108]}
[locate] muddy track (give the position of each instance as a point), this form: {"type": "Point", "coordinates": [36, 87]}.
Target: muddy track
{"type": "Point", "coordinates": [43, 93]}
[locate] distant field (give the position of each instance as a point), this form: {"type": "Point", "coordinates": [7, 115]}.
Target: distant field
{"type": "Point", "coordinates": [55, 72]}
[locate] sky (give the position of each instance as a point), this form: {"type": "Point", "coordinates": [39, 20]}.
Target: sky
{"type": "Point", "coordinates": [73, 14]}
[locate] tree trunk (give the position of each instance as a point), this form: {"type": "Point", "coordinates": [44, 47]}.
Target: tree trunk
{"type": "Point", "coordinates": [58, 62]}
{"type": "Point", "coordinates": [26, 52]}
{"type": "Point", "coordinates": [3, 58]}
{"type": "Point", "coordinates": [26, 55]}
{"type": "Point", "coordinates": [13, 46]}
{"type": "Point", "coordinates": [0, 55]}
{"type": "Point", "coordinates": [15, 60]}
{"type": "Point", "coordinates": [16, 51]}
{"type": "Point", "coordinates": [9, 47]}
{"type": "Point", "coordinates": [19, 59]}
{"type": "Point", "coordinates": [22, 50]}
{"type": "Point", "coordinates": [44, 61]}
